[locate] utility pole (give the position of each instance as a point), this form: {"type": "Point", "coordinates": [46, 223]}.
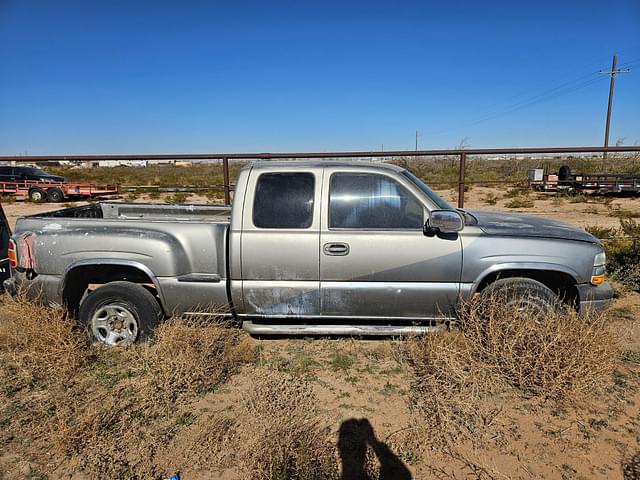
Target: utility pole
{"type": "Point", "coordinates": [612, 73]}
{"type": "Point", "coordinates": [416, 140]}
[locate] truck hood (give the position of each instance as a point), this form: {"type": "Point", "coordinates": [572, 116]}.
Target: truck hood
{"type": "Point", "coordinates": [514, 225]}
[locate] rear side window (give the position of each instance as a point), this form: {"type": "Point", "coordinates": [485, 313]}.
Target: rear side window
{"type": "Point", "coordinates": [284, 200]}
{"type": "Point", "coordinates": [372, 202]}
{"type": "Point", "coordinates": [5, 170]}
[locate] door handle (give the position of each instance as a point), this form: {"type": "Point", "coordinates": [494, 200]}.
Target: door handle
{"type": "Point", "coordinates": [336, 249]}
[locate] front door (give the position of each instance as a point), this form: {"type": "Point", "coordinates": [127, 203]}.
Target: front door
{"type": "Point", "coordinates": [279, 244]}
{"type": "Point", "coordinates": [375, 261]}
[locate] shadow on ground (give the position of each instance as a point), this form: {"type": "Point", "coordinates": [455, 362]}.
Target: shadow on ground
{"type": "Point", "coordinates": [354, 439]}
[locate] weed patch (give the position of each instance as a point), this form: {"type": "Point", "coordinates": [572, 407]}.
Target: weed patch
{"type": "Point", "coordinates": [562, 357]}
{"type": "Point", "coordinates": [106, 411]}
{"type": "Point", "coordinates": [520, 202]}
{"type": "Point", "coordinates": [282, 437]}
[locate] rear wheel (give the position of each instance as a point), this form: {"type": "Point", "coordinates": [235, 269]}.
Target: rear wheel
{"type": "Point", "coordinates": [37, 195]}
{"type": "Point", "coordinates": [55, 195]}
{"type": "Point", "coordinates": [120, 313]}
{"type": "Point", "coordinates": [522, 294]}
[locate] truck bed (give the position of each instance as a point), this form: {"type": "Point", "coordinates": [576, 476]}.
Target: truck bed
{"type": "Point", "coordinates": [181, 248]}
{"type": "Point", "coordinates": [142, 211]}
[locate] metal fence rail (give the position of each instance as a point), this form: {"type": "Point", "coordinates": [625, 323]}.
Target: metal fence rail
{"type": "Point", "coordinates": [462, 155]}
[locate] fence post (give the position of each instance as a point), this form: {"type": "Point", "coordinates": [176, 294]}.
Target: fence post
{"type": "Point", "coordinates": [227, 186]}
{"type": "Point", "coordinates": [463, 158]}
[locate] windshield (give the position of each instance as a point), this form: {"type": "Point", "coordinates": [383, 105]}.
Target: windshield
{"type": "Point", "coordinates": [433, 196]}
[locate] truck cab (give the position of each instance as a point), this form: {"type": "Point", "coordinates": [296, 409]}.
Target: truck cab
{"type": "Point", "coordinates": [342, 242]}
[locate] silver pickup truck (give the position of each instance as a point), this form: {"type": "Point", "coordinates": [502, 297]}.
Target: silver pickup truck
{"type": "Point", "coordinates": [308, 247]}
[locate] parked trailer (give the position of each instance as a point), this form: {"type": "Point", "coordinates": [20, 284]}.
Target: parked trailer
{"type": "Point", "coordinates": [56, 191]}
{"type": "Point", "coordinates": [600, 183]}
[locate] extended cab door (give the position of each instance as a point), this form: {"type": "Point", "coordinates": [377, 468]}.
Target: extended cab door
{"type": "Point", "coordinates": [279, 243]}
{"type": "Point", "coordinates": [375, 261]}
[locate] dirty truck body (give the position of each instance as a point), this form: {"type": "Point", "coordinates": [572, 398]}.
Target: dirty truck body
{"type": "Point", "coordinates": [313, 248]}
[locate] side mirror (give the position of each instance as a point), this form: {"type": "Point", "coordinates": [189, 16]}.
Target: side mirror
{"type": "Point", "coordinates": [443, 221]}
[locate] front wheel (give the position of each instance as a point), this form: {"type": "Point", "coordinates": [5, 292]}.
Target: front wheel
{"type": "Point", "coordinates": [119, 313]}
{"type": "Point", "coordinates": [522, 294]}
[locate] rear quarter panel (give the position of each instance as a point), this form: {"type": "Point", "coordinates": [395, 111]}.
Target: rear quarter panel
{"type": "Point", "coordinates": [168, 250]}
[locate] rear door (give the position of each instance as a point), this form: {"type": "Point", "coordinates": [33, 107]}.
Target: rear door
{"type": "Point", "coordinates": [279, 243]}
{"type": "Point", "coordinates": [375, 261]}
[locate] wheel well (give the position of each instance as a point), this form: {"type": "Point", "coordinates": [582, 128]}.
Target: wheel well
{"type": "Point", "coordinates": [563, 284]}
{"type": "Point", "coordinates": [77, 281]}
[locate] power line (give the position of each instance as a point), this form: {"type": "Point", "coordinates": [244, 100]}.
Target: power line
{"type": "Point", "coordinates": [562, 89]}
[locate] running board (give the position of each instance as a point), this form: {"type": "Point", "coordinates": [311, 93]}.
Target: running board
{"type": "Point", "coordinates": [355, 330]}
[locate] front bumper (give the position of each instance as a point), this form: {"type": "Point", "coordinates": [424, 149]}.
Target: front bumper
{"type": "Point", "coordinates": [594, 297]}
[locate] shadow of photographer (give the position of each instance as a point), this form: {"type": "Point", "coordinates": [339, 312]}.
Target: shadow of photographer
{"type": "Point", "coordinates": [354, 438]}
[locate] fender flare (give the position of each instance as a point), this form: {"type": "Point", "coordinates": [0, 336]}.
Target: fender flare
{"type": "Point", "coordinates": [539, 266]}
{"type": "Point", "coordinates": [116, 262]}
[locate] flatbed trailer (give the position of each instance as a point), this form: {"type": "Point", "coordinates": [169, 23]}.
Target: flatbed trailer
{"type": "Point", "coordinates": [599, 183]}
{"type": "Point", "coordinates": [56, 191]}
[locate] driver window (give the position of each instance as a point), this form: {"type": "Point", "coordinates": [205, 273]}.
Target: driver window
{"type": "Point", "coordinates": [370, 201]}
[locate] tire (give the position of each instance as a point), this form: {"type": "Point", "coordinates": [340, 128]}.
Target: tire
{"type": "Point", "coordinates": [120, 313]}
{"type": "Point", "coordinates": [522, 293]}
{"type": "Point", "coordinates": [37, 195]}
{"type": "Point", "coordinates": [55, 195]}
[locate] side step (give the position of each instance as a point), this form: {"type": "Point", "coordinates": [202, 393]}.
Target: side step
{"type": "Point", "coordinates": [346, 329]}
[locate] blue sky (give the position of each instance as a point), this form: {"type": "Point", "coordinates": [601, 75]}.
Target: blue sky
{"type": "Point", "coordinates": [196, 76]}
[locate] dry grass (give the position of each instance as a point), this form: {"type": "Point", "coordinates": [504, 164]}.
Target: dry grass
{"type": "Point", "coordinates": [283, 437]}
{"type": "Point", "coordinates": [490, 198]}
{"type": "Point", "coordinates": [152, 409]}
{"type": "Point", "coordinates": [520, 202]}
{"type": "Point", "coordinates": [631, 468]}
{"type": "Point", "coordinates": [457, 375]}
{"type": "Point", "coordinates": [178, 197]}
{"type": "Point", "coordinates": [192, 357]}
{"type": "Point", "coordinates": [39, 344]}
{"type": "Point", "coordinates": [558, 355]}
{"type": "Point", "coordinates": [106, 412]}
{"type": "Point", "coordinates": [448, 389]}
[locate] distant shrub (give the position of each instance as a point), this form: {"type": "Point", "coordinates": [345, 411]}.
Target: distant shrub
{"type": "Point", "coordinates": [178, 197]}
{"type": "Point", "coordinates": [601, 232]}
{"type": "Point", "coordinates": [490, 198]}
{"type": "Point", "coordinates": [578, 198]}
{"type": "Point", "coordinates": [520, 202]}
{"type": "Point", "coordinates": [623, 213]}
{"type": "Point", "coordinates": [517, 192]}
{"type": "Point", "coordinates": [622, 246]}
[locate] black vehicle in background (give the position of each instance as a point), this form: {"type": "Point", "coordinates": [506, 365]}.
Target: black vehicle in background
{"type": "Point", "coordinates": [5, 234]}
{"type": "Point", "coordinates": [10, 173]}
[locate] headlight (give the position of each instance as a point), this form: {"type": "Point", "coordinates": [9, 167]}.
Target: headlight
{"type": "Point", "coordinates": [599, 274]}
{"type": "Point", "coordinates": [600, 260]}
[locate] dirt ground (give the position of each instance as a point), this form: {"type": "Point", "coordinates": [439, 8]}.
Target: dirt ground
{"type": "Point", "coordinates": [367, 379]}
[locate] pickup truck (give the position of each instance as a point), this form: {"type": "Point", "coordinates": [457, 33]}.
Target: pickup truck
{"type": "Point", "coordinates": [314, 248]}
